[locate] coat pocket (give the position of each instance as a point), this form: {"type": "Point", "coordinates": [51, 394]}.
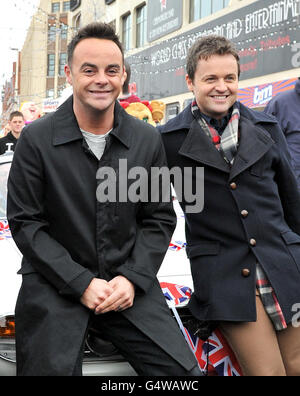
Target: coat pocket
{"type": "Point", "coordinates": [207, 248]}
{"type": "Point", "coordinates": [203, 258]}
{"type": "Point", "coordinates": [292, 241]}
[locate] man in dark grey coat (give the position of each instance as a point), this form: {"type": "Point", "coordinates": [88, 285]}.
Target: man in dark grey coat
{"type": "Point", "coordinates": [244, 246]}
{"type": "Point", "coordinates": [286, 108]}
{"type": "Point", "coordinates": [91, 261]}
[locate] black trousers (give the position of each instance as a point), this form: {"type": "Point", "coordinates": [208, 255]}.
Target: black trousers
{"type": "Point", "coordinates": [146, 357]}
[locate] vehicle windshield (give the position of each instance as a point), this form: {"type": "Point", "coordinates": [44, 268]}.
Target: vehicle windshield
{"type": "Point", "coordinates": [4, 170]}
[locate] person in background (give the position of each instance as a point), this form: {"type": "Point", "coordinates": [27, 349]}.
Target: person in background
{"type": "Point", "coordinates": [126, 96]}
{"type": "Point", "coordinates": [286, 108]}
{"type": "Point", "coordinates": [16, 124]}
{"type": "Point", "coordinates": [244, 245]}
{"type": "Point", "coordinates": [89, 262]}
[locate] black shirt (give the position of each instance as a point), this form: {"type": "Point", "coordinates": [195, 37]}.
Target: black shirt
{"type": "Point", "coordinates": [8, 142]}
{"type": "Point", "coordinates": [219, 125]}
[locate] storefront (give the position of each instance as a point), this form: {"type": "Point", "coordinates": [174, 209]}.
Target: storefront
{"type": "Point", "coordinates": [266, 34]}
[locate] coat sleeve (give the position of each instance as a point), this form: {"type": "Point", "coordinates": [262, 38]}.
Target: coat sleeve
{"type": "Point", "coordinates": [287, 183]}
{"type": "Point", "coordinates": [156, 224]}
{"type": "Point", "coordinates": [29, 226]}
{"type": "Point", "coordinates": [277, 108]}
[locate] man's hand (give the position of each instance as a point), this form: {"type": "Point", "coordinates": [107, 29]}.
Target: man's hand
{"type": "Point", "coordinates": [121, 298]}
{"type": "Point", "coordinates": [97, 292]}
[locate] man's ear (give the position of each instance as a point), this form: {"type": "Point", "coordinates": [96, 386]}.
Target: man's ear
{"type": "Point", "coordinates": [68, 74]}
{"type": "Point", "coordinates": [189, 83]}
{"type": "Point", "coordinates": [124, 76]}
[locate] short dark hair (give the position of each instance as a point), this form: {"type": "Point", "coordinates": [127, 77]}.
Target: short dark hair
{"type": "Point", "coordinates": [15, 114]}
{"type": "Point", "coordinates": [206, 47]}
{"type": "Point", "coordinates": [94, 30]}
{"type": "Point", "coordinates": [125, 88]}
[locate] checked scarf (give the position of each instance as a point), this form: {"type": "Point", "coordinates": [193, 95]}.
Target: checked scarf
{"type": "Point", "coordinates": [269, 299]}
{"type": "Point", "coordinates": [227, 143]}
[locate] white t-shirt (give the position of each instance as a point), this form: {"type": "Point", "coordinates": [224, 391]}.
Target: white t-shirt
{"type": "Point", "coordinates": [95, 142]}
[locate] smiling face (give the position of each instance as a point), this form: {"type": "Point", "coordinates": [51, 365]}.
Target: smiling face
{"type": "Point", "coordinates": [215, 85]}
{"type": "Point", "coordinates": [97, 75]}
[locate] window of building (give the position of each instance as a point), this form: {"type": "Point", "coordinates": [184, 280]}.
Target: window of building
{"type": "Point", "coordinates": [74, 4]}
{"type": "Point", "coordinates": [50, 93]}
{"type": "Point", "coordinates": [51, 65]}
{"type": "Point", "coordinates": [55, 7]}
{"type": "Point", "coordinates": [51, 33]}
{"type": "Point", "coordinates": [63, 31]}
{"type": "Point", "coordinates": [62, 62]}
{"type": "Point", "coordinates": [172, 109]}
{"type": "Point", "coordinates": [202, 8]}
{"type": "Point", "coordinates": [60, 90]}
{"type": "Point", "coordinates": [126, 32]}
{"type": "Point", "coordinates": [66, 6]}
{"type": "Point", "coordinates": [141, 26]}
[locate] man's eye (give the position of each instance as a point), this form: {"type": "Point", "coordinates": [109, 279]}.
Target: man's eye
{"type": "Point", "coordinates": [112, 71]}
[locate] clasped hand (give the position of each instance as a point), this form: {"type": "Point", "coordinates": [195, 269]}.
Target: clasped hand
{"type": "Point", "coordinates": [102, 296]}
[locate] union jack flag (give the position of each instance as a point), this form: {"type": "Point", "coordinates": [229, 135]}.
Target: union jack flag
{"type": "Point", "coordinates": [196, 346]}
{"type": "Point", "coordinates": [221, 356]}
{"type": "Point", "coordinates": [176, 293]}
{"type": "Point", "coordinates": [177, 245]}
{"type": "Point", "coordinates": [215, 357]}
{"type": "Point", "coordinates": [4, 230]}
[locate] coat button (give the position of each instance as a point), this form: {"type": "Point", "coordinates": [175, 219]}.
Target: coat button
{"type": "Point", "coordinates": [245, 272]}
{"type": "Point", "coordinates": [244, 213]}
{"type": "Point", "coordinates": [233, 186]}
{"type": "Point", "coordinates": [252, 242]}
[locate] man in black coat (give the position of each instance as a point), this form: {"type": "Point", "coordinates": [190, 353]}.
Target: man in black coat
{"type": "Point", "coordinates": [16, 123]}
{"type": "Point", "coordinates": [285, 107]}
{"type": "Point", "coordinates": [88, 260]}
{"type": "Point", "coordinates": [244, 245]}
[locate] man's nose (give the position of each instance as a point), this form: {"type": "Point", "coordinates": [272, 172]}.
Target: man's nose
{"type": "Point", "coordinates": [101, 78]}
{"type": "Point", "coordinates": [221, 85]}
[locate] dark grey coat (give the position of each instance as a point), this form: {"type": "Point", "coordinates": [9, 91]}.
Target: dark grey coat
{"type": "Point", "coordinates": [251, 213]}
{"type": "Point", "coordinates": [67, 238]}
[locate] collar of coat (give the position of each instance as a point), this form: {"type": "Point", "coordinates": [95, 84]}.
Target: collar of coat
{"type": "Point", "coordinates": [66, 128]}
{"type": "Point", "coordinates": [185, 119]}
{"type": "Point", "coordinates": [255, 140]}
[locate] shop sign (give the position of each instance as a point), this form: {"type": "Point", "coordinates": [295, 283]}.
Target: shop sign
{"type": "Point", "coordinates": [266, 35]}
{"type": "Point", "coordinates": [164, 17]}
{"type": "Point", "coordinates": [49, 105]}
{"type": "Point", "coordinates": [260, 95]}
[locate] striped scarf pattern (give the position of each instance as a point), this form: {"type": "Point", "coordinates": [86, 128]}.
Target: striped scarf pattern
{"type": "Point", "coordinates": [227, 144]}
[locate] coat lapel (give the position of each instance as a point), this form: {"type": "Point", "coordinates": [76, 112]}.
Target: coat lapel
{"type": "Point", "coordinates": [199, 147]}
{"type": "Point", "coordinates": [65, 126]}
{"type": "Point", "coordinates": [254, 143]}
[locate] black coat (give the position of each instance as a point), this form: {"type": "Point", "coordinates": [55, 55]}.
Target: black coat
{"type": "Point", "coordinates": [67, 238]}
{"type": "Point", "coordinates": [251, 213]}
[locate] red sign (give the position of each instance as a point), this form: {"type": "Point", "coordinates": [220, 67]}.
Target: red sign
{"type": "Point", "coordinates": [260, 95]}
